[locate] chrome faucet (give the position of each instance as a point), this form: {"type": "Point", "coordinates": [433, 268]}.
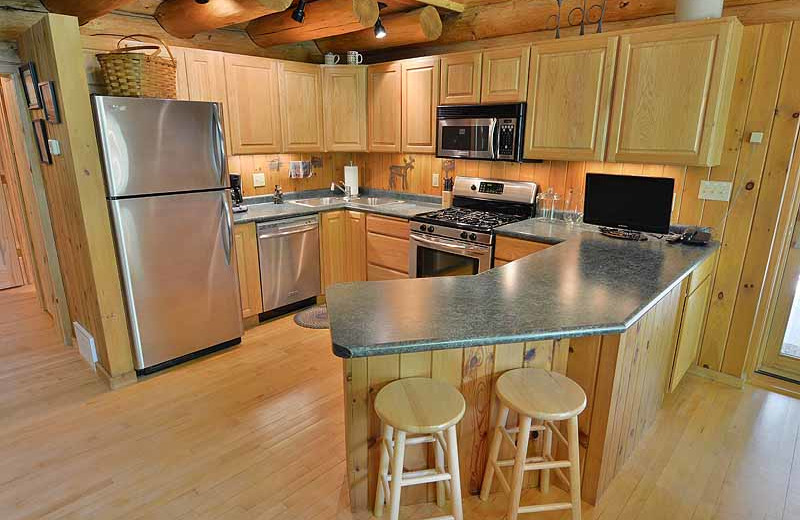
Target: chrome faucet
{"type": "Point", "coordinates": [277, 197]}
{"type": "Point", "coordinates": [344, 188]}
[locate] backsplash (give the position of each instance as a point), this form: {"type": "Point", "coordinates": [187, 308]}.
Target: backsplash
{"type": "Point", "coordinates": [374, 172]}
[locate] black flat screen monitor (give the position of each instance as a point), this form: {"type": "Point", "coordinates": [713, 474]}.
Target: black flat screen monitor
{"type": "Point", "coordinates": [628, 202]}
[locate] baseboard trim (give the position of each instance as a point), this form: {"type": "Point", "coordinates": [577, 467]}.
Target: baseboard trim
{"type": "Point", "coordinates": [774, 384]}
{"type": "Point", "coordinates": [115, 382]}
{"type": "Point", "coordinates": [713, 375]}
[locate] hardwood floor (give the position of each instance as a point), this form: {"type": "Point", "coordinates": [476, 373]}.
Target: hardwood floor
{"type": "Point", "coordinates": [256, 432]}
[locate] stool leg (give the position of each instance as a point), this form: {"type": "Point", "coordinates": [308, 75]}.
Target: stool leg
{"type": "Point", "coordinates": [397, 474]}
{"type": "Point", "coordinates": [439, 458]}
{"type": "Point", "coordinates": [494, 452]}
{"type": "Point", "coordinates": [455, 476]}
{"type": "Point", "coordinates": [547, 450]}
{"type": "Point", "coordinates": [383, 470]}
{"type": "Point", "coordinates": [518, 472]}
{"type": "Point", "coordinates": [574, 468]}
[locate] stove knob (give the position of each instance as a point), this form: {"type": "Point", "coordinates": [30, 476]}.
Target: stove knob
{"type": "Point", "coordinates": [422, 227]}
{"type": "Point", "coordinates": [473, 236]}
{"type": "Point", "coordinates": [464, 235]}
{"type": "Point", "coordinates": [430, 229]}
{"type": "Point", "coordinates": [473, 187]}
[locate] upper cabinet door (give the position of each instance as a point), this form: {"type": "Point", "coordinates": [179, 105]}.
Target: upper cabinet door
{"type": "Point", "coordinates": [420, 93]}
{"type": "Point", "coordinates": [505, 75]}
{"type": "Point", "coordinates": [301, 107]}
{"type": "Point", "coordinates": [345, 108]}
{"type": "Point", "coordinates": [253, 111]}
{"type": "Point", "coordinates": [385, 87]}
{"type": "Point", "coordinates": [461, 79]}
{"type": "Point", "coordinates": [673, 93]}
{"type": "Point", "coordinates": [181, 82]}
{"type": "Point", "coordinates": [569, 98]}
{"type": "Point", "coordinates": [205, 75]}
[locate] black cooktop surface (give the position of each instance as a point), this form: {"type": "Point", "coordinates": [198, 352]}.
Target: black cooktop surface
{"type": "Point", "coordinates": [468, 218]}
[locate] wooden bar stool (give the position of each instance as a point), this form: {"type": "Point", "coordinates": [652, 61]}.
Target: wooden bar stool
{"type": "Point", "coordinates": [429, 410]}
{"type": "Point", "coordinates": [541, 396]}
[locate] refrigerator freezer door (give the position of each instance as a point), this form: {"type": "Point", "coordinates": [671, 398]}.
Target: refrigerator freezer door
{"type": "Point", "coordinates": [154, 146]}
{"type": "Point", "coordinates": [179, 273]}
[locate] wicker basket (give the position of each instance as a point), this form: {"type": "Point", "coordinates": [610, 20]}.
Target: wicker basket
{"type": "Point", "coordinates": [127, 72]}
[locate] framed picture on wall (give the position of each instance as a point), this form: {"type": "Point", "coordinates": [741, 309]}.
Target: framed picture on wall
{"type": "Point", "coordinates": [47, 93]}
{"type": "Point", "coordinates": [40, 129]}
{"type": "Point", "coordinates": [30, 83]}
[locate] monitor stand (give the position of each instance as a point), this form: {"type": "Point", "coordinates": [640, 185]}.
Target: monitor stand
{"type": "Point", "coordinates": [623, 234]}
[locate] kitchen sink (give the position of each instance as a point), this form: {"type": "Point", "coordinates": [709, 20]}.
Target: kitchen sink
{"type": "Point", "coordinates": [373, 201]}
{"type": "Point", "coordinates": [318, 202]}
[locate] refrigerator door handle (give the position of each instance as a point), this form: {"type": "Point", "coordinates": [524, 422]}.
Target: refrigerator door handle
{"type": "Point", "coordinates": [227, 232]}
{"type": "Point", "coordinates": [219, 144]}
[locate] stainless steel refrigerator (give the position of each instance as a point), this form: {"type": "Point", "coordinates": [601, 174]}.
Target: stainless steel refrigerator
{"type": "Point", "coordinates": [167, 188]}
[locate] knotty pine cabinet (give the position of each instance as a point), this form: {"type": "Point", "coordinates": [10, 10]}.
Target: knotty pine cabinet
{"type": "Point", "coordinates": [205, 81]}
{"type": "Point", "coordinates": [253, 112]}
{"type": "Point", "coordinates": [420, 96]}
{"type": "Point", "coordinates": [508, 249]}
{"type": "Point", "coordinates": [504, 75]}
{"type": "Point", "coordinates": [345, 108]}
{"type": "Point", "coordinates": [384, 95]}
{"type": "Point", "coordinates": [246, 246]}
{"type": "Point", "coordinates": [569, 98]}
{"type": "Point", "coordinates": [386, 247]}
{"type": "Point", "coordinates": [343, 247]}
{"type": "Point", "coordinates": [672, 93]}
{"type": "Point", "coordinates": [301, 107]}
{"type": "Point", "coordinates": [460, 78]}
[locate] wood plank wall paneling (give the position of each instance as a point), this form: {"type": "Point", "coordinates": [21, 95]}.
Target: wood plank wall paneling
{"type": "Point", "coordinates": [76, 195]}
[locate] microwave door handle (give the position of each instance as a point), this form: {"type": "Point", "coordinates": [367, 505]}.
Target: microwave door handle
{"type": "Point", "coordinates": [493, 137]}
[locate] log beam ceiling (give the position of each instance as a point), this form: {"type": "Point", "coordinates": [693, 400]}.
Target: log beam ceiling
{"type": "Point", "coordinates": [185, 18]}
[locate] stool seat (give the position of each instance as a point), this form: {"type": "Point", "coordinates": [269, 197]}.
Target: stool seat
{"type": "Point", "coordinates": [420, 405]}
{"type": "Point", "coordinates": [540, 394]}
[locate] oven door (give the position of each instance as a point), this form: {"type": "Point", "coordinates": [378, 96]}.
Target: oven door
{"type": "Point", "coordinates": [467, 138]}
{"type": "Point", "coordinates": [430, 256]}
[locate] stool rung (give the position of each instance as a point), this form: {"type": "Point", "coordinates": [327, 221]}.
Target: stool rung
{"type": "Point", "coordinates": [445, 517]}
{"type": "Point", "coordinates": [425, 479]}
{"type": "Point", "coordinates": [419, 440]}
{"type": "Point", "coordinates": [507, 437]}
{"type": "Point", "coordinates": [542, 508]}
{"type": "Point", "coordinates": [548, 464]}
{"type": "Point", "coordinates": [500, 477]}
{"type": "Point", "coordinates": [510, 462]}
{"type": "Point", "coordinates": [534, 428]}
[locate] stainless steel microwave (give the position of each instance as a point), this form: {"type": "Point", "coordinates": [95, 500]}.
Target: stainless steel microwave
{"type": "Point", "coordinates": [491, 132]}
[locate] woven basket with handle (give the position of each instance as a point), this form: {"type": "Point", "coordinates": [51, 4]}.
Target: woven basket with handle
{"type": "Point", "coordinates": [129, 72]}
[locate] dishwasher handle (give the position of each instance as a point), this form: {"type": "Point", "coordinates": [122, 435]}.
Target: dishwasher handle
{"type": "Point", "coordinates": [288, 231]}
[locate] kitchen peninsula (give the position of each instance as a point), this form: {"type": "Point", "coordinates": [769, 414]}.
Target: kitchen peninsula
{"type": "Point", "coordinates": [606, 312]}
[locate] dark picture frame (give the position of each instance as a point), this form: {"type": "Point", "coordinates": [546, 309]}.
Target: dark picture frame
{"type": "Point", "coordinates": [47, 93]}
{"type": "Point", "coordinates": [30, 85]}
{"type": "Point", "coordinates": [40, 131]}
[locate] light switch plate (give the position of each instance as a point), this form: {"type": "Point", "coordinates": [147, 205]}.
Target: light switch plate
{"type": "Point", "coordinates": [55, 146]}
{"type": "Point", "coordinates": [715, 190]}
{"type": "Point", "coordinates": [435, 180]}
{"type": "Point", "coordinates": [259, 180]}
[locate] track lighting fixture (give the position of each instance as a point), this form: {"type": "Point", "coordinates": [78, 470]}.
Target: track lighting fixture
{"type": "Point", "coordinates": [299, 13]}
{"type": "Point", "coordinates": [380, 30]}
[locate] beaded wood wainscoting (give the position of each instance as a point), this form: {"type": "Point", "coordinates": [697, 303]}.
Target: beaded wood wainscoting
{"type": "Point", "coordinates": [256, 432]}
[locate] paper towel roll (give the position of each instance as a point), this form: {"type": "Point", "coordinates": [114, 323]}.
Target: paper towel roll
{"type": "Point", "coordinates": [351, 178]}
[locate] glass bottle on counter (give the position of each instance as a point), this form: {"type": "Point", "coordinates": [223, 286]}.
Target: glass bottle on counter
{"type": "Point", "coordinates": [547, 205]}
{"type": "Point", "coordinates": [572, 208]}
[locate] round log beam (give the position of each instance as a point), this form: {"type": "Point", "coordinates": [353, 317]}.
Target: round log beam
{"type": "Point", "coordinates": [323, 18]}
{"type": "Point", "coordinates": [420, 25]}
{"type": "Point", "coordinates": [185, 18]}
{"type": "Point", "coordinates": [83, 10]}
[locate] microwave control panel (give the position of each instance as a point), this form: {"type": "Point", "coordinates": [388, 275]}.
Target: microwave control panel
{"type": "Point", "coordinates": [507, 137]}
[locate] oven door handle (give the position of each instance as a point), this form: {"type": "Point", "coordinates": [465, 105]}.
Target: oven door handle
{"type": "Point", "coordinates": [459, 248]}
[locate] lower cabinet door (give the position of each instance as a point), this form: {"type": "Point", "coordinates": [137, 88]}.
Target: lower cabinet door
{"type": "Point", "coordinates": [244, 240]}
{"type": "Point", "coordinates": [694, 316]}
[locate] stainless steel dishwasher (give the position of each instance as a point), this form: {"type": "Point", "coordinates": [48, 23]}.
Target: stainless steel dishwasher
{"type": "Point", "coordinates": [288, 252]}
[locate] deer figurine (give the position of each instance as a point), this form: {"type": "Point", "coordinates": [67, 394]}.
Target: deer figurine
{"type": "Point", "coordinates": [401, 172]}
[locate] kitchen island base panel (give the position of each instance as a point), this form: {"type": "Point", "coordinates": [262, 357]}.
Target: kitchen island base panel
{"type": "Point", "coordinates": [624, 376]}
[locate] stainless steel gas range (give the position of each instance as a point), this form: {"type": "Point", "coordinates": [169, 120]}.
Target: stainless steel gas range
{"type": "Point", "coordinates": [460, 240]}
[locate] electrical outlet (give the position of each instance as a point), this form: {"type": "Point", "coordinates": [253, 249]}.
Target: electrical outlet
{"type": "Point", "coordinates": [54, 146]}
{"type": "Point", "coordinates": [259, 180]}
{"type": "Point", "coordinates": [715, 190]}
{"type": "Point", "coordinates": [435, 180]}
